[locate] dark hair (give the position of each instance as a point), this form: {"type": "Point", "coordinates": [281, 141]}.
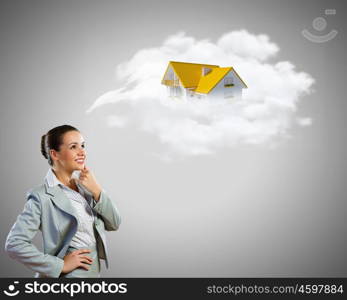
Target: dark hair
{"type": "Point", "coordinates": [53, 139]}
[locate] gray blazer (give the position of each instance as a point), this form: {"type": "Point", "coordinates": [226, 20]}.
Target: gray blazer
{"type": "Point", "coordinates": [49, 210]}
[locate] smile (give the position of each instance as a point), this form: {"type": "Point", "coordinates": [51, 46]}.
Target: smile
{"type": "Point", "coordinates": [80, 160]}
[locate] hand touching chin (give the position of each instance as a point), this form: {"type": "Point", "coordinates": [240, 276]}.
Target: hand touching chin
{"type": "Point", "coordinates": [88, 180]}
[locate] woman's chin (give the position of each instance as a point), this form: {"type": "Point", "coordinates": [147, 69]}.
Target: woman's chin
{"type": "Point", "coordinates": [79, 167]}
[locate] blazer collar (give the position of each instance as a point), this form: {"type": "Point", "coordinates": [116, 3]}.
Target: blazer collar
{"type": "Point", "coordinates": [58, 196]}
{"type": "Point", "coordinates": [60, 199]}
{"type": "Point", "coordinates": [51, 180]}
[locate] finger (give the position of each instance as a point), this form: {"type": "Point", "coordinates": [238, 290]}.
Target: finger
{"type": "Point", "coordinates": [86, 257]}
{"type": "Point", "coordinates": [86, 261]}
{"type": "Point", "coordinates": [83, 251]}
{"type": "Point", "coordinates": [84, 266]}
{"type": "Point", "coordinates": [83, 179]}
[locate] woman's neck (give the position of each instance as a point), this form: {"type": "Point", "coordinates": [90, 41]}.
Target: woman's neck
{"type": "Point", "coordinates": [63, 176]}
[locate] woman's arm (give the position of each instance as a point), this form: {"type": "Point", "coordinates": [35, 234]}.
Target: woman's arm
{"type": "Point", "coordinates": [19, 241]}
{"type": "Point", "coordinates": [108, 211]}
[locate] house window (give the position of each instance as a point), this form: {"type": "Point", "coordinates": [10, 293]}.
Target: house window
{"type": "Point", "coordinates": [228, 82]}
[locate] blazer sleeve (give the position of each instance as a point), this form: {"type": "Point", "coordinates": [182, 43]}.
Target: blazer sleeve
{"type": "Point", "coordinates": [19, 244]}
{"type": "Point", "coordinates": [108, 211]}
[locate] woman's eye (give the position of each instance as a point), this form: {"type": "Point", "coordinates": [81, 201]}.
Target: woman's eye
{"type": "Point", "coordinates": [74, 146]}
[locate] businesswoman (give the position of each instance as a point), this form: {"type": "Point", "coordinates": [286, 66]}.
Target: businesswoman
{"type": "Point", "coordinates": [70, 209]}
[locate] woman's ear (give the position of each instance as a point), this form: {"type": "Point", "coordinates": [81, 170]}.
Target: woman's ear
{"type": "Point", "coordinates": [54, 154]}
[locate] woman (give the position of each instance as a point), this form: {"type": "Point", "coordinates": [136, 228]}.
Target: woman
{"type": "Point", "coordinates": [70, 208]}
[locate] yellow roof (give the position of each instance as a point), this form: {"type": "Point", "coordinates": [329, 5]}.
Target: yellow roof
{"type": "Point", "coordinates": [190, 75]}
{"type": "Point", "coordinates": [209, 81]}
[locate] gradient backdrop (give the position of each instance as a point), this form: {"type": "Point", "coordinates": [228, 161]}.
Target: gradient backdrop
{"type": "Point", "coordinates": [245, 211]}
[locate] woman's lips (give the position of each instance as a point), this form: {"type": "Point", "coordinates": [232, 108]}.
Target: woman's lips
{"type": "Point", "coordinates": [80, 161]}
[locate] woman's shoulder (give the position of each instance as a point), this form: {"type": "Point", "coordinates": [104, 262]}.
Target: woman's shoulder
{"type": "Point", "coordinates": [37, 192]}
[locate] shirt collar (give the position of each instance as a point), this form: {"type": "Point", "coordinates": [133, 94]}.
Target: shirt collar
{"type": "Point", "coordinates": [51, 179]}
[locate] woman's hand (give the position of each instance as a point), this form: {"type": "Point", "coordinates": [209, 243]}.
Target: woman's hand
{"type": "Point", "coordinates": [76, 259]}
{"type": "Point", "coordinates": [88, 180]}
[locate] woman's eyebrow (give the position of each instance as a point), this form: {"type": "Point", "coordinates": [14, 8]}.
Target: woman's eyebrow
{"type": "Point", "coordinates": [75, 143]}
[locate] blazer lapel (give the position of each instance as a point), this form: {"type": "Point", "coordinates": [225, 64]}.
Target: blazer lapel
{"type": "Point", "coordinates": [60, 199]}
{"type": "Point", "coordinates": [63, 203]}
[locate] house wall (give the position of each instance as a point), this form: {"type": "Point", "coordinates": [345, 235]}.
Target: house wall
{"type": "Point", "coordinates": [221, 92]}
{"type": "Point", "coordinates": [169, 74]}
{"type": "Point", "coordinates": [218, 92]}
{"type": "Point", "coordinates": [189, 93]}
{"type": "Point", "coordinates": [173, 89]}
{"type": "Point", "coordinates": [176, 91]}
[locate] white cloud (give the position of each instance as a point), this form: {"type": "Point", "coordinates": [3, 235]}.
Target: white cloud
{"type": "Point", "coordinates": [304, 121]}
{"type": "Point", "coordinates": [193, 127]}
{"type": "Point", "coordinates": [247, 45]}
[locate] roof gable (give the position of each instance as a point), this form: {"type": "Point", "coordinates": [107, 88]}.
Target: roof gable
{"type": "Point", "coordinates": [209, 81]}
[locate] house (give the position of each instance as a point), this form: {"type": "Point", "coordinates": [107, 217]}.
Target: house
{"type": "Point", "coordinates": [202, 81]}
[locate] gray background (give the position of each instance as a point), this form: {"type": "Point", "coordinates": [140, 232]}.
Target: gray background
{"type": "Point", "coordinates": [246, 211]}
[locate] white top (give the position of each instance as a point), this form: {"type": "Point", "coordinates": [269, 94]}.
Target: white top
{"type": "Point", "coordinates": [84, 236]}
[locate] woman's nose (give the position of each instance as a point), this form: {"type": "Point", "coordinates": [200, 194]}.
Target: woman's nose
{"type": "Point", "coordinates": [81, 151]}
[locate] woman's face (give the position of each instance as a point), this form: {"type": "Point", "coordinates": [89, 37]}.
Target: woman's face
{"type": "Point", "coordinates": [72, 154]}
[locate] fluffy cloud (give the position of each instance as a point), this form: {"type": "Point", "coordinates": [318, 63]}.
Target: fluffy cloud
{"type": "Point", "coordinates": [265, 114]}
